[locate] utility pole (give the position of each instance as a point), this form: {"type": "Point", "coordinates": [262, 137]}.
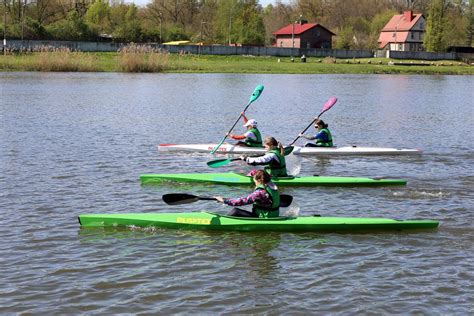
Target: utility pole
{"type": "Point", "coordinates": [4, 27]}
{"type": "Point", "coordinates": [161, 28]}
{"type": "Point", "coordinates": [200, 39]}
{"type": "Point", "coordinates": [23, 21]}
{"type": "Point", "coordinates": [230, 27]}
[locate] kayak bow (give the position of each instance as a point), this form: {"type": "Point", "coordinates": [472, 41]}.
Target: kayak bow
{"type": "Point", "coordinates": [231, 178]}
{"type": "Point", "coordinates": [211, 221]}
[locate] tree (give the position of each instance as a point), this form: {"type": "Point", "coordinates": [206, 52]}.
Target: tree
{"type": "Point", "coordinates": [457, 23]}
{"type": "Point", "coordinates": [98, 17]}
{"type": "Point", "coordinates": [71, 28]}
{"type": "Point", "coordinates": [275, 17]}
{"type": "Point", "coordinates": [250, 24]}
{"type": "Point", "coordinates": [345, 38]}
{"type": "Point", "coordinates": [435, 40]}
{"type": "Point", "coordinates": [376, 26]}
{"type": "Point", "coordinates": [129, 30]}
{"type": "Point", "coordinates": [470, 25]}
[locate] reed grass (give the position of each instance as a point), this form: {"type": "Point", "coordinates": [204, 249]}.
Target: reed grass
{"type": "Point", "coordinates": [142, 58]}
{"type": "Point", "coordinates": [47, 58]}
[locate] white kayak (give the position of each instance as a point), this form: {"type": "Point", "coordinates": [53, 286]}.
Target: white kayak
{"type": "Point", "coordinates": [227, 148]}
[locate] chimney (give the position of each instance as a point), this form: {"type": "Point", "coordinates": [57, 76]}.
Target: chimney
{"type": "Point", "coordinates": [303, 21]}
{"type": "Point", "coordinates": [408, 15]}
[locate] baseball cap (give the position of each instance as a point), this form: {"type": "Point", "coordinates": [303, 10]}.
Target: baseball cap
{"type": "Point", "coordinates": [251, 122]}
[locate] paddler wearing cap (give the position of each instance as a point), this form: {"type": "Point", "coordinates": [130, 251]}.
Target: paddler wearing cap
{"type": "Point", "coordinates": [252, 137]}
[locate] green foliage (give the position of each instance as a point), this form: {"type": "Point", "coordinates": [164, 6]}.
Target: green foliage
{"type": "Point", "coordinates": [176, 33]}
{"type": "Point", "coordinates": [72, 28]}
{"type": "Point", "coordinates": [250, 23]}
{"type": "Point", "coordinates": [435, 39]}
{"type": "Point", "coordinates": [357, 22]}
{"type": "Point", "coordinates": [225, 21]}
{"type": "Point", "coordinates": [34, 29]}
{"type": "Point", "coordinates": [345, 38]}
{"type": "Point", "coordinates": [376, 25]}
{"type": "Point", "coordinates": [151, 35]}
{"type": "Point", "coordinates": [98, 17]}
{"type": "Point", "coordinates": [129, 30]}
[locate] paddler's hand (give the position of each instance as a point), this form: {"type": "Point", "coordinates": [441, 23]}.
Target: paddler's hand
{"type": "Point", "coordinates": [220, 199]}
{"type": "Point", "coordinates": [301, 135]}
{"type": "Point", "coordinates": [243, 157]}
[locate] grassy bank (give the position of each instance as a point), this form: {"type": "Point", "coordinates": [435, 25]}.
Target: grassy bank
{"type": "Point", "coordinates": [143, 60]}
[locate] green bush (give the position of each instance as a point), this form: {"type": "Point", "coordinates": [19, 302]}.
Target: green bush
{"type": "Point", "coordinates": [73, 28]}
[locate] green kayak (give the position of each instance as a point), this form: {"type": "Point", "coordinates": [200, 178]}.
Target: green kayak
{"type": "Point", "coordinates": [231, 178]}
{"type": "Point", "coordinates": [211, 221]}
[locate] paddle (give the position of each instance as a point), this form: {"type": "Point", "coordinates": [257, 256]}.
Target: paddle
{"type": "Point", "coordinates": [329, 104]}
{"type": "Point", "coordinates": [220, 162]}
{"type": "Point", "coordinates": [184, 198]}
{"type": "Point", "coordinates": [256, 93]}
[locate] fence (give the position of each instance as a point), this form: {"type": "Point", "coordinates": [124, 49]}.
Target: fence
{"type": "Point", "coordinates": [237, 50]}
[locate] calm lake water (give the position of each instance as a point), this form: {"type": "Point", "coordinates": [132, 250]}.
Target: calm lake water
{"type": "Point", "coordinates": [77, 143]}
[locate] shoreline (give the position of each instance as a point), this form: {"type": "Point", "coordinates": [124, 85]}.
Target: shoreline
{"type": "Point", "coordinates": [188, 63]}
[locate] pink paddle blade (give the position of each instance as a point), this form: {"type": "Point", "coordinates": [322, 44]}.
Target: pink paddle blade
{"type": "Point", "coordinates": [329, 104]}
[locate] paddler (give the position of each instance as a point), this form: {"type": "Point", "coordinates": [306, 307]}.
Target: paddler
{"type": "Point", "coordinates": [252, 137]}
{"type": "Point", "coordinates": [265, 199]}
{"type": "Point", "coordinates": [273, 160]}
{"type": "Point", "coordinates": [323, 137]}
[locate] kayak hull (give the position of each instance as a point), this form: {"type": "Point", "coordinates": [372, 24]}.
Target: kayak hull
{"type": "Point", "coordinates": [227, 148]}
{"type": "Point", "coordinates": [211, 221]}
{"type": "Point", "coordinates": [231, 178]}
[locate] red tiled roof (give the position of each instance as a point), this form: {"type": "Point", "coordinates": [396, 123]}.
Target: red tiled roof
{"type": "Point", "coordinates": [299, 29]}
{"type": "Point", "coordinates": [392, 37]}
{"type": "Point", "coordinates": [383, 44]}
{"type": "Point", "coordinates": [401, 22]}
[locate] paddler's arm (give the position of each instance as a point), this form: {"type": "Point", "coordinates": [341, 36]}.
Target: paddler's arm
{"type": "Point", "coordinates": [250, 199]}
{"type": "Point", "coordinates": [308, 137]}
{"type": "Point", "coordinates": [245, 118]}
{"type": "Point", "coordinates": [262, 160]}
{"type": "Point", "coordinates": [237, 137]}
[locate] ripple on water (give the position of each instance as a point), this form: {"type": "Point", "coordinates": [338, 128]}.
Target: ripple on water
{"type": "Point", "coordinates": [77, 143]}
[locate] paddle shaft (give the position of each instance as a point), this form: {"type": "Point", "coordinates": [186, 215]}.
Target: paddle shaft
{"type": "Point", "coordinates": [206, 198]}
{"type": "Point", "coordinates": [326, 107]}
{"type": "Point", "coordinates": [225, 137]}
{"type": "Point", "coordinates": [256, 93]}
{"type": "Point", "coordinates": [183, 198]}
{"type": "Point", "coordinates": [220, 162]}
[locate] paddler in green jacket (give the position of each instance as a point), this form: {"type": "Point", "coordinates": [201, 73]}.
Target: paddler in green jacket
{"type": "Point", "coordinates": [323, 137]}
{"type": "Point", "coordinates": [273, 160]}
{"type": "Point", "coordinates": [265, 199]}
{"type": "Point", "coordinates": [252, 137]}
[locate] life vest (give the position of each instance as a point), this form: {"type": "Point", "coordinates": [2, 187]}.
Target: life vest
{"type": "Point", "coordinates": [252, 142]}
{"type": "Point", "coordinates": [275, 168]}
{"type": "Point", "coordinates": [320, 142]}
{"type": "Point", "coordinates": [274, 209]}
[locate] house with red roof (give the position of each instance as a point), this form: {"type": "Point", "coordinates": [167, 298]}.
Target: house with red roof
{"type": "Point", "coordinates": [303, 35]}
{"type": "Point", "coordinates": [404, 32]}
